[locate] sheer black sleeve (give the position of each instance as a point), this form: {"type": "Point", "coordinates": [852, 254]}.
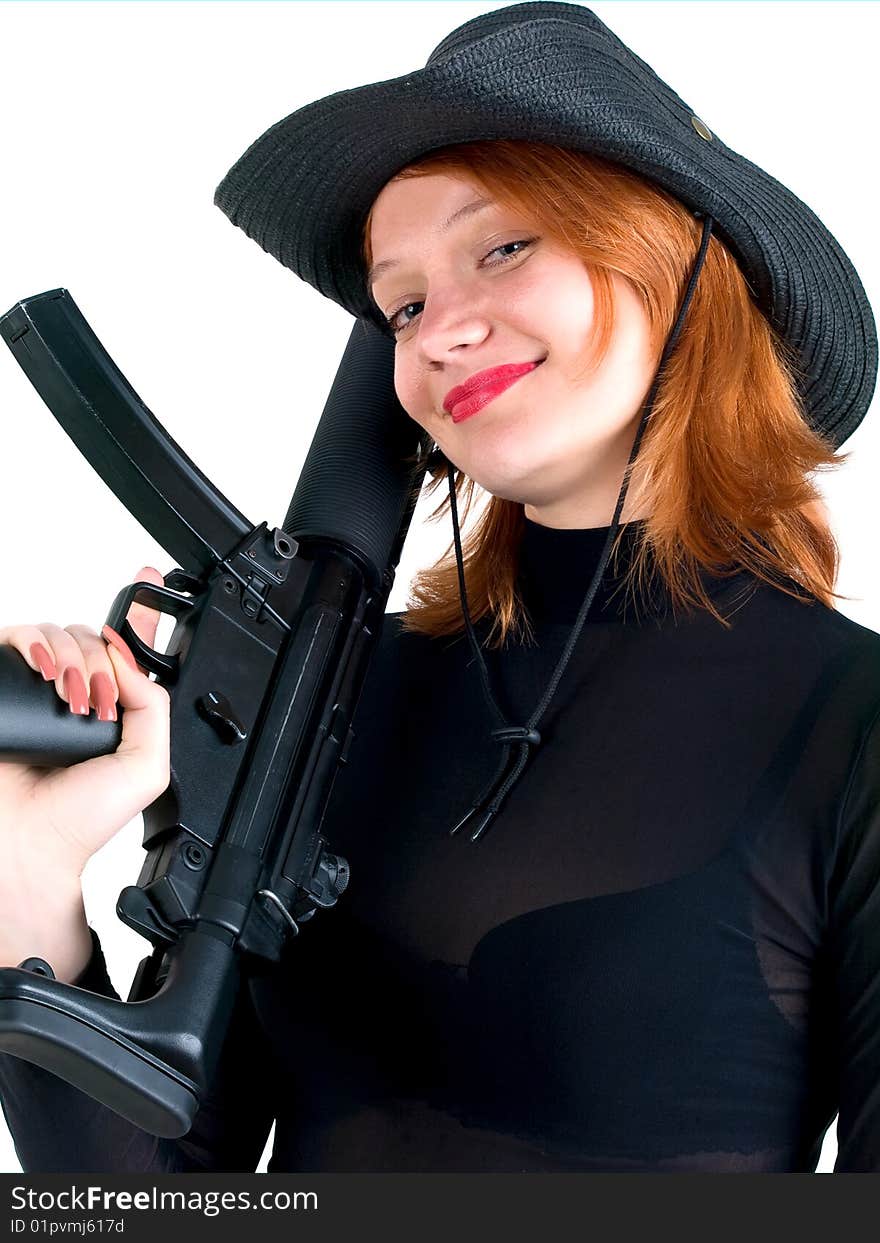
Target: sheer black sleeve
{"type": "Point", "coordinates": [854, 921]}
{"type": "Point", "coordinates": [59, 1129]}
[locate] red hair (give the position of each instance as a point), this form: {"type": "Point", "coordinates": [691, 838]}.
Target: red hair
{"type": "Point", "coordinates": [723, 470]}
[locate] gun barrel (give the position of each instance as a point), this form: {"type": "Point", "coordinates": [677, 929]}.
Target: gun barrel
{"type": "Point", "coordinates": [365, 466]}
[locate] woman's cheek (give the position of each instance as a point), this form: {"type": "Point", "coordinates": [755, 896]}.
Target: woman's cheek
{"type": "Point", "coordinates": [415, 404]}
{"type": "Point", "coordinates": [405, 391]}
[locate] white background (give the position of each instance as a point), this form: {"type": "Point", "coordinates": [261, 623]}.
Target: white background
{"type": "Point", "coordinates": [119, 119]}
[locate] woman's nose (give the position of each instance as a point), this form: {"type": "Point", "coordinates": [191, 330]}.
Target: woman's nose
{"type": "Point", "coordinates": [451, 319]}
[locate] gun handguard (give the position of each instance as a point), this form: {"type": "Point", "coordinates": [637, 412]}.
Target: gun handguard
{"type": "Point", "coordinates": [273, 635]}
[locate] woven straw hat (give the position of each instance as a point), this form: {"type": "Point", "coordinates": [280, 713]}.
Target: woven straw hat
{"type": "Point", "coordinates": [554, 73]}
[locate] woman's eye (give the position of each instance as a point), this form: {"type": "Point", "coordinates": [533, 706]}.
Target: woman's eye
{"type": "Point", "coordinates": [523, 242]}
{"type": "Point", "coordinates": [393, 319]}
{"type": "Point", "coordinates": [395, 315]}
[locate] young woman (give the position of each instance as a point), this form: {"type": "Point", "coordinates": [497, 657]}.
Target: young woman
{"type": "Point", "coordinates": [612, 814]}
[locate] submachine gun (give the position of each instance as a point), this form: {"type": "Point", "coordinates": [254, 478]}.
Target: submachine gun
{"type": "Point", "coordinates": [273, 633]}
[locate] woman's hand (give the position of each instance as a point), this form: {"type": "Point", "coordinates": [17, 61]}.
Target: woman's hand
{"type": "Point", "coordinates": [53, 820]}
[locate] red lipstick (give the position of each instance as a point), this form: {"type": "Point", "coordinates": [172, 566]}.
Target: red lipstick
{"type": "Point", "coordinates": [477, 391]}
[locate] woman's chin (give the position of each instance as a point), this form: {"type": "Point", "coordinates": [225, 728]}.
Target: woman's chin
{"type": "Point", "coordinates": [506, 472]}
{"type": "Point", "coordinates": [505, 488]}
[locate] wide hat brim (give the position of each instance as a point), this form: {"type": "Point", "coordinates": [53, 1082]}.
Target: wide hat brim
{"type": "Point", "coordinates": [554, 73]}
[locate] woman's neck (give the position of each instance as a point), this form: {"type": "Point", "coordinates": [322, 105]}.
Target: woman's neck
{"type": "Point", "coordinates": [578, 514]}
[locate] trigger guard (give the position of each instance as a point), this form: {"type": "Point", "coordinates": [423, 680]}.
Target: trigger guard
{"type": "Point", "coordinates": [166, 668]}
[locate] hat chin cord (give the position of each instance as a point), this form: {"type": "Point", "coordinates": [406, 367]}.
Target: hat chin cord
{"type": "Point", "coordinates": [526, 737]}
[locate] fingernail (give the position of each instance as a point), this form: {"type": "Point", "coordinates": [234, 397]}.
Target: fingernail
{"type": "Point", "coordinates": [41, 657]}
{"type": "Point", "coordinates": [75, 690]}
{"type": "Point", "coordinates": [117, 641]}
{"type": "Point", "coordinates": [102, 694]}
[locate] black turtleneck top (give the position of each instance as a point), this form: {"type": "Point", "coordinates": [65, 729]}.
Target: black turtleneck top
{"type": "Point", "coordinates": [663, 956]}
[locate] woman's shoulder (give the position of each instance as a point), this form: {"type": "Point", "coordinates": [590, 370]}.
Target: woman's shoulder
{"type": "Point", "coordinates": [405, 659]}
{"type": "Point", "coordinates": [796, 611]}
{"type": "Point", "coordinates": [803, 632]}
{"type": "Point", "coordinates": [764, 625]}
{"type": "Point", "coordinates": [412, 645]}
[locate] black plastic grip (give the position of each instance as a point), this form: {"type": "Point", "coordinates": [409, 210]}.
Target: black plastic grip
{"type": "Point", "coordinates": [36, 725]}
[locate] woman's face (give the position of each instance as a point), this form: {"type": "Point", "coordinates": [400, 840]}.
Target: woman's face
{"type": "Point", "coordinates": [470, 286]}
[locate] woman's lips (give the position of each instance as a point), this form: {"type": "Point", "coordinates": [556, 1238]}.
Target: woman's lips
{"type": "Point", "coordinates": [502, 379]}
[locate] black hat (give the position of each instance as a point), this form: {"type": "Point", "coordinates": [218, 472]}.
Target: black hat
{"type": "Point", "coordinates": [554, 73]}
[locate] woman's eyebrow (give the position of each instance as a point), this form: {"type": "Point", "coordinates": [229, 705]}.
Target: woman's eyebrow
{"type": "Point", "coordinates": [469, 209]}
